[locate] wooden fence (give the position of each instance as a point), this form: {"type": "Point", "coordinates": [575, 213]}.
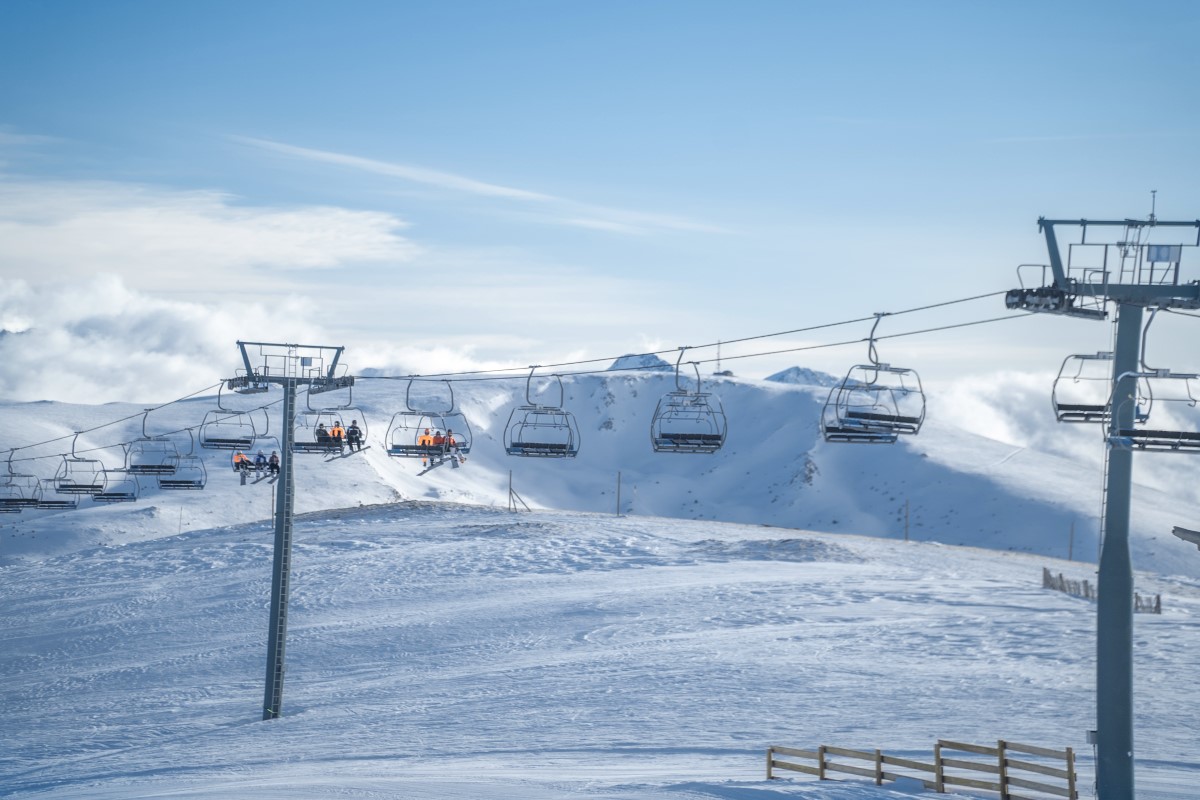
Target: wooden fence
{"type": "Point", "coordinates": [1007, 773]}
{"type": "Point", "coordinates": [1144, 605]}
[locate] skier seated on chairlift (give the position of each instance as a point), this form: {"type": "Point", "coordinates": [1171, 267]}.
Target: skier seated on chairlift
{"type": "Point", "coordinates": [337, 434]}
{"type": "Point", "coordinates": [322, 434]}
{"type": "Point", "coordinates": [354, 436]}
{"type": "Point", "coordinates": [260, 463]}
{"type": "Point", "coordinates": [273, 463]}
{"type": "Point", "coordinates": [425, 440]}
{"type": "Point", "coordinates": [241, 462]}
{"type": "Point", "coordinates": [452, 447]}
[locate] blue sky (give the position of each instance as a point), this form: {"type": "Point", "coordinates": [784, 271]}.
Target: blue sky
{"type": "Point", "coordinates": [478, 183]}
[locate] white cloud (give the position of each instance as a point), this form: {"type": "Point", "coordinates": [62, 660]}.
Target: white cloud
{"type": "Point", "coordinates": [564, 211]}
{"type": "Point", "coordinates": [156, 238]}
{"type": "Point", "coordinates": [97, 341]}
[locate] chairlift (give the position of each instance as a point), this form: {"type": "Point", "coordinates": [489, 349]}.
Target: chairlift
{"type": "Point", "coordinates": [18, 491]}
{"type": "Point", "coordinates": [188, 471]}
{"type": "Point", "coordinates": [1176, 397]}
{"type": "Point", "coordinates": [414, 433]}
{"type": "Point", "coordinates": [540, 431]}
{"type": "Point", "coordinates": [227, 429]}
{"type": "Point", "coordinates": [150, 455]}
{"type": "Point", "coordinates": [120, 486]}
{"type": "Point", "coordinates": [686, 421]}
{"type": "Point", "coordinates": [1175, 400]}
{"type": "Point", "coordinates": [875, 403]}
{"type": "Point", "coordinates": [312, 426]}
{"type": "Point", "coordinates": [78, 475]}
{"type": "Point", "coordinates": [56, 503]}
{"type": "Point", "coordinates": [1083, 386]}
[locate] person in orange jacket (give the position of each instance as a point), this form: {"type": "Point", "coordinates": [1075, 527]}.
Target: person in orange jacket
{"type": "Point", "coordinates": [425, 440]}
{"type": "Point", "coordinates": [241, 462]}
{"type": "Point", "coordinates": [338, 434]}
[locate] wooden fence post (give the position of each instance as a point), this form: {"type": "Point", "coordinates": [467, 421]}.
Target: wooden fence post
{"type": "Point", "coordinates": [1071, 793]}
{"type": "Point", "coordinates": [770, 757]}
{"type": "Point", "coordinates": [939, 770]}
{"type": "Point", "coordinates": [1002, 757]}
{"type": "Point", "coordinates": [821, 762]}
{"type": "Point", "coordinates": [878, 767]}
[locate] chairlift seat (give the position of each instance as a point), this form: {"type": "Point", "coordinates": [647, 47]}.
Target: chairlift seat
{"type": "Point", "coordinates": [550, 449]}
{"type": "Point", "coordinates": [860, 435]}
{"type": "Point", "coordinates": [58, 504]}
{"type": "Point", "coordinates": [1166, 441]}
{"type": "Point", "coordinates": [887, 419]}
{"type": "Point", "coordinates": [114, 497]}
{"type": "Point", "coordinates": [180, 483]}
{"type": "Point", "coordinates": [226, 443]}
{"type": "Point", "coordinates": [316, 447]}
{"type": "Point", "coordinates": [681, 442]}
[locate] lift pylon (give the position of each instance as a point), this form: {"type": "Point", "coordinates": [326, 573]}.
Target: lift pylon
{"type": "Point", "coordinates": [1141, 267]}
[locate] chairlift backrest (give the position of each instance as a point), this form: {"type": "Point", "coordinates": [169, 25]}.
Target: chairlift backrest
{"type": "Point", "coordinates": [541, 431]}
{"type": "Point", "coordinates": [686, 421]}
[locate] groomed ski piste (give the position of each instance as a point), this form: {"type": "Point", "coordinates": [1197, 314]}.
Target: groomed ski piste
{"type": "Point", "coordinates": [440, 645]}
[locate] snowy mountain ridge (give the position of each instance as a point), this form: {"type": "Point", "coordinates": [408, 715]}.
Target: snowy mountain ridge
{"type": "Point", "coordinates": [945, 484]}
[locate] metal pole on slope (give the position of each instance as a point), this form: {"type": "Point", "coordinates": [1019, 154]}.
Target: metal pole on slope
{"type": "Point", "coordinates": [1114, 606]}
{"type": "Point", "coordinates": [618, 493]}
{"type": "Point", "coordinates": [285, 492]}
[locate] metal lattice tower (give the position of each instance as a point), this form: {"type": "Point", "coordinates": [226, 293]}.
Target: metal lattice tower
{"type": "Point", "coordinates": [1139, 270]}
{"type": "Point", "coordinates": [289, 366]}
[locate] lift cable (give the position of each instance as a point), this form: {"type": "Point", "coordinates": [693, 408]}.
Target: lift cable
{"type": "Point", "coordinates": [510, 373]}
{"type": "Point", "coordinates": [673, 350]}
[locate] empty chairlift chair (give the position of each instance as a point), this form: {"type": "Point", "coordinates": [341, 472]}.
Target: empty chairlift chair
{"type": "Point", "coordinates": [686, 421]}
{"type": "Point", "coordinates": [1173, 425]}
{"type": "Point", "coordinates": [18, 491]}
{"type": "Point", "coordinates": [120, 486]}
{"type": "Point", "coordinates": [875, 403]}
{"type": "Point", "coordinates": [151, 455]}
{"type": "Point", "coordinates": [77, 475]}
{"type": "Point", "coordinates": [541, 431]}
{"type": "Point", "coordinates": [188, 471]}
{"type": "Point", "coordinates": [226, 428]}
{"type": "Point", "coordinates": [1082, 388]}
{"type": "Point", "coordinates": [413, 433]}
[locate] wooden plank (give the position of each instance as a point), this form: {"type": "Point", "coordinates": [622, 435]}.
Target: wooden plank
{"type": "Point", "coordinates": [1060, 791]}
{"type": "Point", "coordinates": [968, 748]}
{"type": "Point", "coordinates": [893, 776]}
{"type": "Point", "coordinates": [795, 767]}
{"type": "Point", "coordinates": [990, 786]}
{"type": "Point", "coordinates": [841, 751]}
{"type": "Point", "coordinates": [1041, 769]}
{"type": "Point", "coordinates": [1033, 750]}
{"type": "Point", "coordinates": [791, 751]}
{"type": "Point", "coordinates": [904, 762]}
{"type": "Point", "coordinates": [994, 769]}
{"type": "Point", "coordinates": [862, 771]}
{"type": "Point", "coordinates": [1014, 796]}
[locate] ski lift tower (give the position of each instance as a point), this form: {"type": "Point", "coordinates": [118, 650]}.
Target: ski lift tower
{"type": "Point", "coordinates": [289, 366]}
{"type": "Point", "coordinates": [1135, 270]}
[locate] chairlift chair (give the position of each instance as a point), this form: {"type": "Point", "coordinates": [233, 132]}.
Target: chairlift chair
{"type": "Point", "coordinates": [18, 491]}
{"type": "Point", "coordinates": [1081, 390]}
{"type": "Point", "coordinates": [408, 430]}
{"type": "Point", "coordinates": [875, 403]}
{"type": "Point", "coordinates": [227, 429]}
{"type": "Point", "coordinates": [77, 475]}
{"type": "Point", "coordinates": [188, 471]}
{"type": "Point", "coordinates": [539, 431]}
{"type": "Point", "coordinates": [1176, 395]}
{"type": "Point", "coordinates": [150, 455]}
{"type": "Point", "coordinates": [306, 438]}
{"type": "Point", "coordinates": [1175, 399]}
{"type": "Point", "coordinates": [56, 503]}
{"type": "Point", "coordinates": [120, 486]}
{"type": "Point", "coordinates": [686, 421]}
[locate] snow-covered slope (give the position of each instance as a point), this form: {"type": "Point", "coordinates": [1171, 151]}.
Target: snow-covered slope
{"type": "Point", "coordinates": [438, 650]}
{"type": "Point", "coordinates": [946, 484]}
